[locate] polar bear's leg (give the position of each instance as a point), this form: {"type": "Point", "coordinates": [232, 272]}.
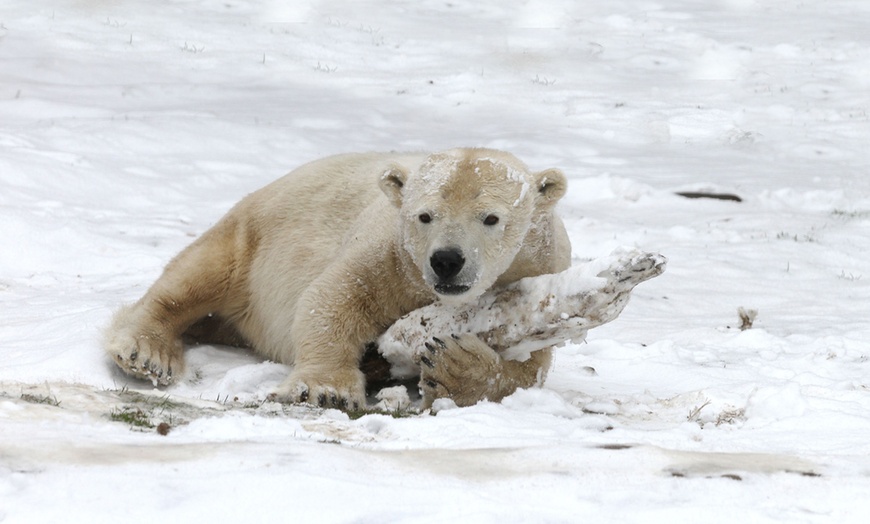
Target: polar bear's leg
{"type": "Point", "coordinates": [326, 369]}
{"type": "Point", "coordinates": [142, 346]}
{"type": "Point", "coordinates": [337, 315]}
{"type": "Point", "coordinates": [144, 339]}
{"type": "Point", "coordinates": [467, 371]}
{"type": "Point", "coordinates": [326, 372]}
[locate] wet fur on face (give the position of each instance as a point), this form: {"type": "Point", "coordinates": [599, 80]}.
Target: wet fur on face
{"type": "Point", "coordinates": [472, 209]}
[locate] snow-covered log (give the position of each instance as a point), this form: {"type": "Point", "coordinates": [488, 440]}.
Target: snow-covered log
{"type": "Point", "coordinates": [529, 314]}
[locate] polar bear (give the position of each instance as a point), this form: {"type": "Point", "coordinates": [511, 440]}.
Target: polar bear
{"type": "Point", "coordinates": [311, 268]}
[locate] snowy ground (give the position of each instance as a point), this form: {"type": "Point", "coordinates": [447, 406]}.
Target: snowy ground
{"type": "Point", "coordinates": [128, 127]}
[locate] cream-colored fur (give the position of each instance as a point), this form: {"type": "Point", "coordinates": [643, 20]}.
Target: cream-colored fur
{"type": "Point", "coordinates": [312, 267]}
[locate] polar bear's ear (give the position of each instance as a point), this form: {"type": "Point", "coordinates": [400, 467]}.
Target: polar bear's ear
{"type": "Point", "coordinates": [392, 183]}
{"type": "Point", "coordinates": [551, 185]}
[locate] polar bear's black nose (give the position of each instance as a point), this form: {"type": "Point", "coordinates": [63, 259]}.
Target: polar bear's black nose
{"type": "Point", "coordinates": [447, 263]}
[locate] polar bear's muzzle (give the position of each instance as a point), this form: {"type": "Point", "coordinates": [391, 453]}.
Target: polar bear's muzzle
{"type": "Point", "coordinates": [447, 264]}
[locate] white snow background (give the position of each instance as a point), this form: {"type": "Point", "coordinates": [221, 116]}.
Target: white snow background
{"type": "Point", "coordinates": [128, 127]}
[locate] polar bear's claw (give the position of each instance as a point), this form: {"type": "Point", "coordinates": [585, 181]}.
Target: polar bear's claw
{"type": "Point", "coordinates": [340, 390]}
{"type": "Point", "coordinates": [157, 365]}
{"type": "Point", "coordinates": [459, 368]}
{"type": "Point", "coordinates": [142, 348]}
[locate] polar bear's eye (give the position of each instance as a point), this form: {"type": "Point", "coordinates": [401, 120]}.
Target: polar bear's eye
{"type": "Point", "coordinates": [425, 218]}
{"type": "Point", "coordinates": [490, 220]}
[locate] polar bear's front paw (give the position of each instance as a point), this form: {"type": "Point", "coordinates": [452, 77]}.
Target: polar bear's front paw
{"type": "Point", "coordinates": [461, 368]}
{"type": "Point", "coordinates": [142, 347]}
{"type": "Point", "coordinates": [343, 389]}
{"type": "Point", "coordinates": [147, 357]}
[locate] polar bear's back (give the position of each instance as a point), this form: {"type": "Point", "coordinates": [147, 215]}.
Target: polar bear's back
{"type": "Point", "coordinates": [332, 191]}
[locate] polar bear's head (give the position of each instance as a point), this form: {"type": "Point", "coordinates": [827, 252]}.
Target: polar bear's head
{"type": "Point", "coordinates": [465, 214]}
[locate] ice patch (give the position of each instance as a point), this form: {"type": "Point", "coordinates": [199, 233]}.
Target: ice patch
{"type": "Point", "coordinates": [393, 399]}
{"type": "Point", "coordinates": [717, 64]}
{"type": "Point", "coordinates": [815, 200]}
{"type": "Point", "coordinates": [608, 187]}
{"type": "Point", "coordinates": [443, 404]}
{"type": "Point", "coordinates": [775, 403]}
{"type": "Point", "coordinates": [541, 401]}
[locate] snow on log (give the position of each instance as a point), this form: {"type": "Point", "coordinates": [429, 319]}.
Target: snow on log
{"type": "Point", "coordinates": [527, 315]}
